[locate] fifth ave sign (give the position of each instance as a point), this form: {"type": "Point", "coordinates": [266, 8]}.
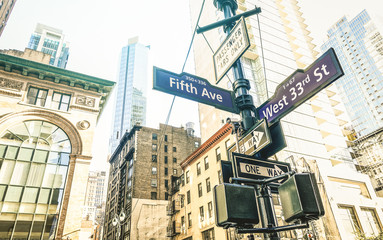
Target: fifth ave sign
{"type": "Point", "coordinates": [300, 86]}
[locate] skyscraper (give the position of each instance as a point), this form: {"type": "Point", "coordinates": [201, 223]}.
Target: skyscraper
{"type": "Point", "coordinates": [6, 7]}
{"type": "Point", "coordinates": [130, 108]}
{"type": "Point", "coordinates": [279, 45]}
{"type": "Point", "coordinates": [51, 41]}
{"type": "Point", "coordinates": [359, 47]}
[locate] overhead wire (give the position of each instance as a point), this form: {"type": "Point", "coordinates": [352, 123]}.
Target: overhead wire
{"type": "Point", "coordinates": [174, 97]}
{"type": "Point", "coordinates": [183, 68]}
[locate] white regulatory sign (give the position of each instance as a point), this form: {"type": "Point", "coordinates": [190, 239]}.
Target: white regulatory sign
{"type": "Point", "coordinates": [231, 49]}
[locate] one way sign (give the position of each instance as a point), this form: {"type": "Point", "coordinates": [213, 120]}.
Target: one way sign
{"type": "Point", "coordinates": [257, 138]}
{"type": "Point", "coordinates": [252, 168]}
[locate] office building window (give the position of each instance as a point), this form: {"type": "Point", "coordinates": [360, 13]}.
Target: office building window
{"type": "Point", "coordinates": [208, 187]}
{"type": "Point", "coordinates": [227, 144]}
{"type": "Point", "coordinates": [166, 148]}
{"type": "Point", "coordinates": [350, 221]}
{"type": "Point", "coordinates": [188, 197]}
{"type": "Point", "coordinates": [166, 138]}
{"type": "Point", "coordinates": [218, 153]}
{"type": "Point", "coordinates": [60, 101]}
{"type": "Point", "coordinates": [182, 222]}
{"type": "Point", "coordinates": [208, 234]}
{"type": "Point", "coordinates": [166, 159]}
{"type": "Point", "coordinates": [201, 214]}
{"type": "Point", "coordinates": [153, 195]}
{"type": "Point", "coordinates": [166, 183]}
{"type": "Point", "coordinates": [154, 136]}
{"type": "Point", "coordinates": [175, 160]}
{"type": "Point", "coordinates": [206, 161]}
{"type": "Point", "coordinates": [154, 158]}
{"type": "Point", "coordinates": [182, 201]}
{"type": "Point", "coordinates": [189, 220]}
{"type": "Point", "coordinates": [372, 224]}
{"type": "Point", "coordinates": [37, 96]}
{"type": "Point", "coordinates": [220, 180]}
{"type": "Point", "coordinates": [154, 170]}
{"type": "Point", "coordinates": [174, 149]}
{"type": "Point", "coordinates": [187, 177]}
{"type": "Point", "coordinates": [199, 189]}
{"type": "Point", "coordinates": [175, 172]}
{"type": "Point", "coordinates": [182, 180]}
{"type": "Point", "coordinates": [199, 168]}
{"type": "Point", "coordinates": [154, 183]}
{"type": "Point", "coordinates": [210, 209]}
{"type": "Point", "coordinates": [166, 171]}
{"type": "Point", "coordinates": [154, 147]}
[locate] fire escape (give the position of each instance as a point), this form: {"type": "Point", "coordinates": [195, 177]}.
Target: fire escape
{"type": "Point", "coordinates": [174, 206]}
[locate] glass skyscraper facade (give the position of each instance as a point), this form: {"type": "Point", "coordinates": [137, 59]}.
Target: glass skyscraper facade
{"type": "Point", "coordinates": [130, 108]}
{"type": "Point", "coordinates": [359, 47]}
{"type": "Point", "coordinates": [51, 41]}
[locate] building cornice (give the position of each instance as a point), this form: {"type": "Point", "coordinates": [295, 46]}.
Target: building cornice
{"type": "Point", "coordinates": [60, 76]}
{"type": "Point", "coordinates": [208, 144]}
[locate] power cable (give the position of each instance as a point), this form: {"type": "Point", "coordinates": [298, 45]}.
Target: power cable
{"type": "Point", "coordinates": [174, 97]}
{"type": "Point", "coordinates": [263, 56]}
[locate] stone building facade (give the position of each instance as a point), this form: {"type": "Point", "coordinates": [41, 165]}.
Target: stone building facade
{"type": "Point", "coordinates": [351, 205]}
{"type": "Point", "coordinates": [140, 175]}
{"type": "Point", "coordinates": [47, 121]}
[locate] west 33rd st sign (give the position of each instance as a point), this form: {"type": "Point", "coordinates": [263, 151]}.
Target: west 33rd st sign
{"type": "Point", "coordinates": [300, 86]}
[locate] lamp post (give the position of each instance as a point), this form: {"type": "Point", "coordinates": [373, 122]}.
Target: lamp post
{"type": "Point", "coordinates": [117, 222]}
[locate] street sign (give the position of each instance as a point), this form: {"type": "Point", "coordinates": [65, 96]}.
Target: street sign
{"type": "Point", "coordinates": [193, 88]}
{"type": "Point", "coordinates": [256, 139]}
{"type": "Point", "coordinates": [250, 167]}
{"type": "Point", "coordinates": [231, 49]}
{"type": "Point", "coordinates": [300, 86]}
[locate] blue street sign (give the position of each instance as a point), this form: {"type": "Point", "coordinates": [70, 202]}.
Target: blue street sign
{"type": "Point", "coordinates": [300, 86]}
{"type": "Point", "coordinates": [193, 88]}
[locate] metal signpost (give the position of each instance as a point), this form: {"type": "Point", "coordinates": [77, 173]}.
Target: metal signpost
{"type": "Point", "coordinates": [256, 139]}
{"type": "Point", "coordinates": [193, 88]}
{"type": "Point", "coordinates": [231, 49]}
{"type": "Point", "coordinates": [300, 86]}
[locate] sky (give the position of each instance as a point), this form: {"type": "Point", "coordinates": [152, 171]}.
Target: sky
{"type": "Point", "coordinates": [97, 30]}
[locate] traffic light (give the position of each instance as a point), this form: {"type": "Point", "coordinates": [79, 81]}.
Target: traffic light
{"type": "Point", "coordinates": [300, 198]}
{"type": "Point", "coordinates": [235, 205]}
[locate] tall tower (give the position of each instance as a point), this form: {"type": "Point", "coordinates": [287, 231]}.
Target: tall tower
{"type": "Point", "coordinates": [359, 46]}
{"type": "Point", "coordinates": [130, 108]}
{"type": "Point", "coordinates": [6, 7]}
{"type": "Point", "coordinates": [280, 44]}
{"type": "Point", "coordinates": [51, 41]}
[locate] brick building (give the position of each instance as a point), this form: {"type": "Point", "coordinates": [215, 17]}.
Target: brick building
{"type": "Point", "coordinates": [140, 175]}
{"type": "Point", "coordinates": [47, 121]}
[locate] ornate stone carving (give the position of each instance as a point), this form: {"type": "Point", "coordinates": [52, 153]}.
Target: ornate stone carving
{"type": "Point", "coordinates": [85, 101]}
{"type": "Point", "coordinates": [10, 84]}
{"type": "Point", "coordinates": [83, 125]}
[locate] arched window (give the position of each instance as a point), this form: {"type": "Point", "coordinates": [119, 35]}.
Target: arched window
{"type": "Point", "coordinates": [34, 159]}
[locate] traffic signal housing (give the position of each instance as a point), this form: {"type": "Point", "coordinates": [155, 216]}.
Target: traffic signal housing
{"type": "Point", "coordinates": [300, 198]}
{"type": "Point", "coordinates": [235, 205]}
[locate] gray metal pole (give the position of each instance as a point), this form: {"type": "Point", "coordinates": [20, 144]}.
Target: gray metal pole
{"type": "Point", "coordinates": [241, 86]}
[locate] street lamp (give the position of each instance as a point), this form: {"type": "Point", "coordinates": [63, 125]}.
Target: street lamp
{"type": "Point", "coordinates": [117, 221]}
